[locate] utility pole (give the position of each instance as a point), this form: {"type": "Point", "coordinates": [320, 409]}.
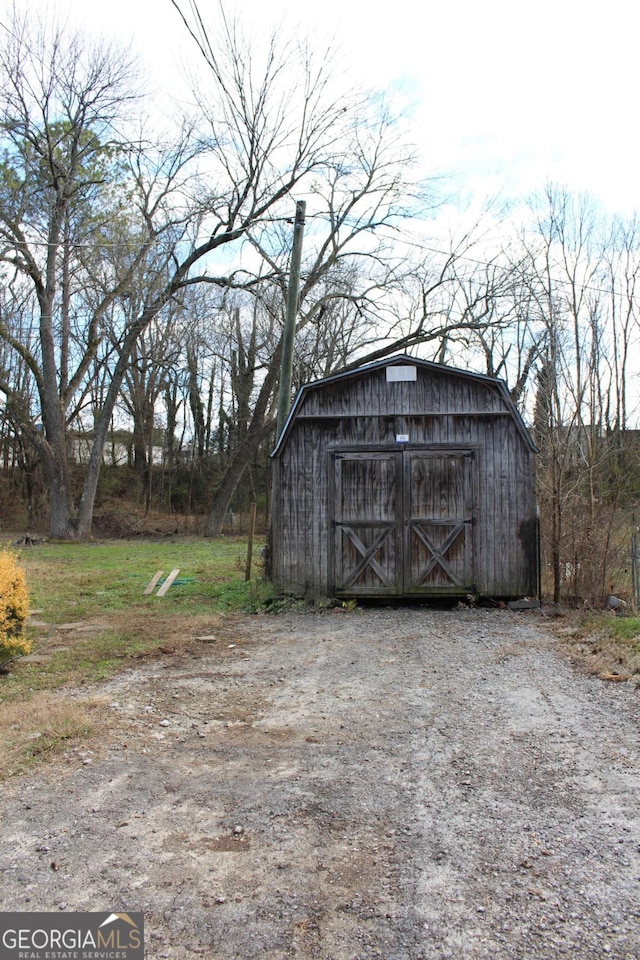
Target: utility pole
{"type": "Point", "coordinates": [286, 368]}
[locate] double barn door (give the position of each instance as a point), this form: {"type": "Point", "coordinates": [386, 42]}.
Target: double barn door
{"type": "Point", "coordinates": [403, 522]}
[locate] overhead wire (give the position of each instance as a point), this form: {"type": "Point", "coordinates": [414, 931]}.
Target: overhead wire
{"type": "Point", "coordinates": [446, 254]}
{"type": "Point", "coordinates": [204, 45]}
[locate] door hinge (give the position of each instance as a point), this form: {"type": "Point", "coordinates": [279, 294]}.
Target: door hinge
{"type": "Point", "coordinates": [472, 521]}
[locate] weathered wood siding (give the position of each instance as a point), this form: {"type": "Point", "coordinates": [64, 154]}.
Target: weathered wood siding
{"type": "Point", "coordinates": [362, 414]}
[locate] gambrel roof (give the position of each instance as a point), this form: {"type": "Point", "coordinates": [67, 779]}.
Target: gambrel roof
{"type": "Point", "coordinates": [496, 386]}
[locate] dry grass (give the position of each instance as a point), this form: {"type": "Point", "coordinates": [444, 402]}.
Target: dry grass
{"type": "Point", "coordinates": [604, 645]}
{"type": "Point", "coordinates": [92, 620]}
{"type": "Point", "coordinates": [42, 727]}
{"type": "Point", "coordinates": [506, 651]}
{"type": "Point", "coordinates": [40, 710]}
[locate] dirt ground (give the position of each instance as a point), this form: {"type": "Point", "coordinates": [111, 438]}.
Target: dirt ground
{"type": "Point", "coordinates": [378, 784]}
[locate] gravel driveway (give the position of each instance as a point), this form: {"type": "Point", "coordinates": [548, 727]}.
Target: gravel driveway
{"type": "Point", "coordinates": [400, 784]}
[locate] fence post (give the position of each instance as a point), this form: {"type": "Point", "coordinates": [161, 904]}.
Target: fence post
{"type": "Point", "coordinates": [252, 527]}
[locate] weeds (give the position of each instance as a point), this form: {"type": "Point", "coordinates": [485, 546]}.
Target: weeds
{"type": "Point", "coordinates": [38, 728]}
{"type": "Point", "coordinates": [607, 645]}
{"type": "Point", "coordinates": [93, 619]}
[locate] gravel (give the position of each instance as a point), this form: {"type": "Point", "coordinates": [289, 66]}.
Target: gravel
{"type": "Point", "coordinates": [376, 784]}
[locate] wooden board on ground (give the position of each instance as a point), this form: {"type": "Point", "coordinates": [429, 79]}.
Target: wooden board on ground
{"type": "Point", "coordinates": [165, 586]}
{"type": "Point", "coordinates": [152, 583]}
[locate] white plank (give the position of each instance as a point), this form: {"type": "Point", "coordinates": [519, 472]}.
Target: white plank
{"type": "Point", "coordinates": [152, 583]}
{"type": "Point", "coordinates": [165, 586]}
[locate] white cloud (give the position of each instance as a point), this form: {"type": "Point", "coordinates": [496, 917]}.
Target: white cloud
{"type": "Point", "coordinates": [504, 94]}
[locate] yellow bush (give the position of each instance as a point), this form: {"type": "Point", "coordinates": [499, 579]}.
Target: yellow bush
{"type": "Point", "coordinates": [14, 607]}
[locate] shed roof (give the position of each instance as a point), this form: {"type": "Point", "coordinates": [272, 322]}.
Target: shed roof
{"type": "Point", "coordinates": [402, 359]}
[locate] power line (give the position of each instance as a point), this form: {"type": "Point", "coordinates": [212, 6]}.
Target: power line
{"type": "Point", "coordinates": [454, 256]}
{"type": "Point", "coordinates": [584, 287]}
{"type": "Point", "coordinates": [105, 245]}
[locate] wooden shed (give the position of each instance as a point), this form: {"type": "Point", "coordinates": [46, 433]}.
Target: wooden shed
{"type": "Point", "coordinates": [404, 478]}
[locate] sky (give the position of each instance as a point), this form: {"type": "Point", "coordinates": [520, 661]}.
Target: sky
{"type": "Point", "coordinates": [502, 96]}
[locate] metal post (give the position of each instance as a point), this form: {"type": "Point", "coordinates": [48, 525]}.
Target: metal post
{"type": "Point", "coordinates": [286, 369]}
{"type": "Point", "coordinates": [252, 529]}
{"type": "Point", "coordinates": [539, 555]}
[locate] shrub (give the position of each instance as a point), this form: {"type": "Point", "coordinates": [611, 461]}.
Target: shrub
{"type": "Point", "coordinates": [14, 607]}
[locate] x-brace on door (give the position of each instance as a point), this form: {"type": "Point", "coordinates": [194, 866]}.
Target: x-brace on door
{"type": "Point", "coordinates": [403, 522]}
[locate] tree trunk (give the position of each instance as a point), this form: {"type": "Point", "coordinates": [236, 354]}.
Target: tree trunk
{"type": "Point", "coordinates": [232, 477]}
{"type": "Point", "coordinates": [62, 524]}
{"type": "Point", "coordinates": [261, 424]}
{"type": "Point", "coordinates": [556, 530]}
{"type": "Point", "coordinates": [90, 487]}
{"type": "Point", "coordinates": [140, 449]}
{"type": "Point", "coordinates": [224, 496]}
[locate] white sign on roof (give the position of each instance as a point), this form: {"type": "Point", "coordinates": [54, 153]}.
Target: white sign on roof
{"type": "Point", "coordinates": [398, 373]}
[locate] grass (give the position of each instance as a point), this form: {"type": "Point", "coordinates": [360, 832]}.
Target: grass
{"type": "Point", "coordinates": [41, 727]}
{"type": "Point", "coordinates": [91, 618]}
{"type": "Point", "coordinates": [626, 629]}
{"type": "Point", "coordinates": [73, 581]}
{"type": "Point", "coordinates": [618, 639]}
{"type": "Point", "coordinates": [607, 645]}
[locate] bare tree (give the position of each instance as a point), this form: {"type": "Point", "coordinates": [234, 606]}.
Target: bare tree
{"type": "Point", "coordinates": [622, 257]}
{"type": "Point", "coordinates": [63, 105]}
{"type": "Point", "coordinates": [572, 280]}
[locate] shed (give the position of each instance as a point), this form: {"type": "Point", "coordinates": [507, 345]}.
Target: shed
{"type": "Point", "coordinates": [404, 478]}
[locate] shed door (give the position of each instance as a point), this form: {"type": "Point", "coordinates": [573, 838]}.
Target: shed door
{"type": "Point", "coordinates": [403, 523]}
{"type": "Point", "coordinates": [439, 522]}
{"type": "Point", "coordinates": [366, 527]}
